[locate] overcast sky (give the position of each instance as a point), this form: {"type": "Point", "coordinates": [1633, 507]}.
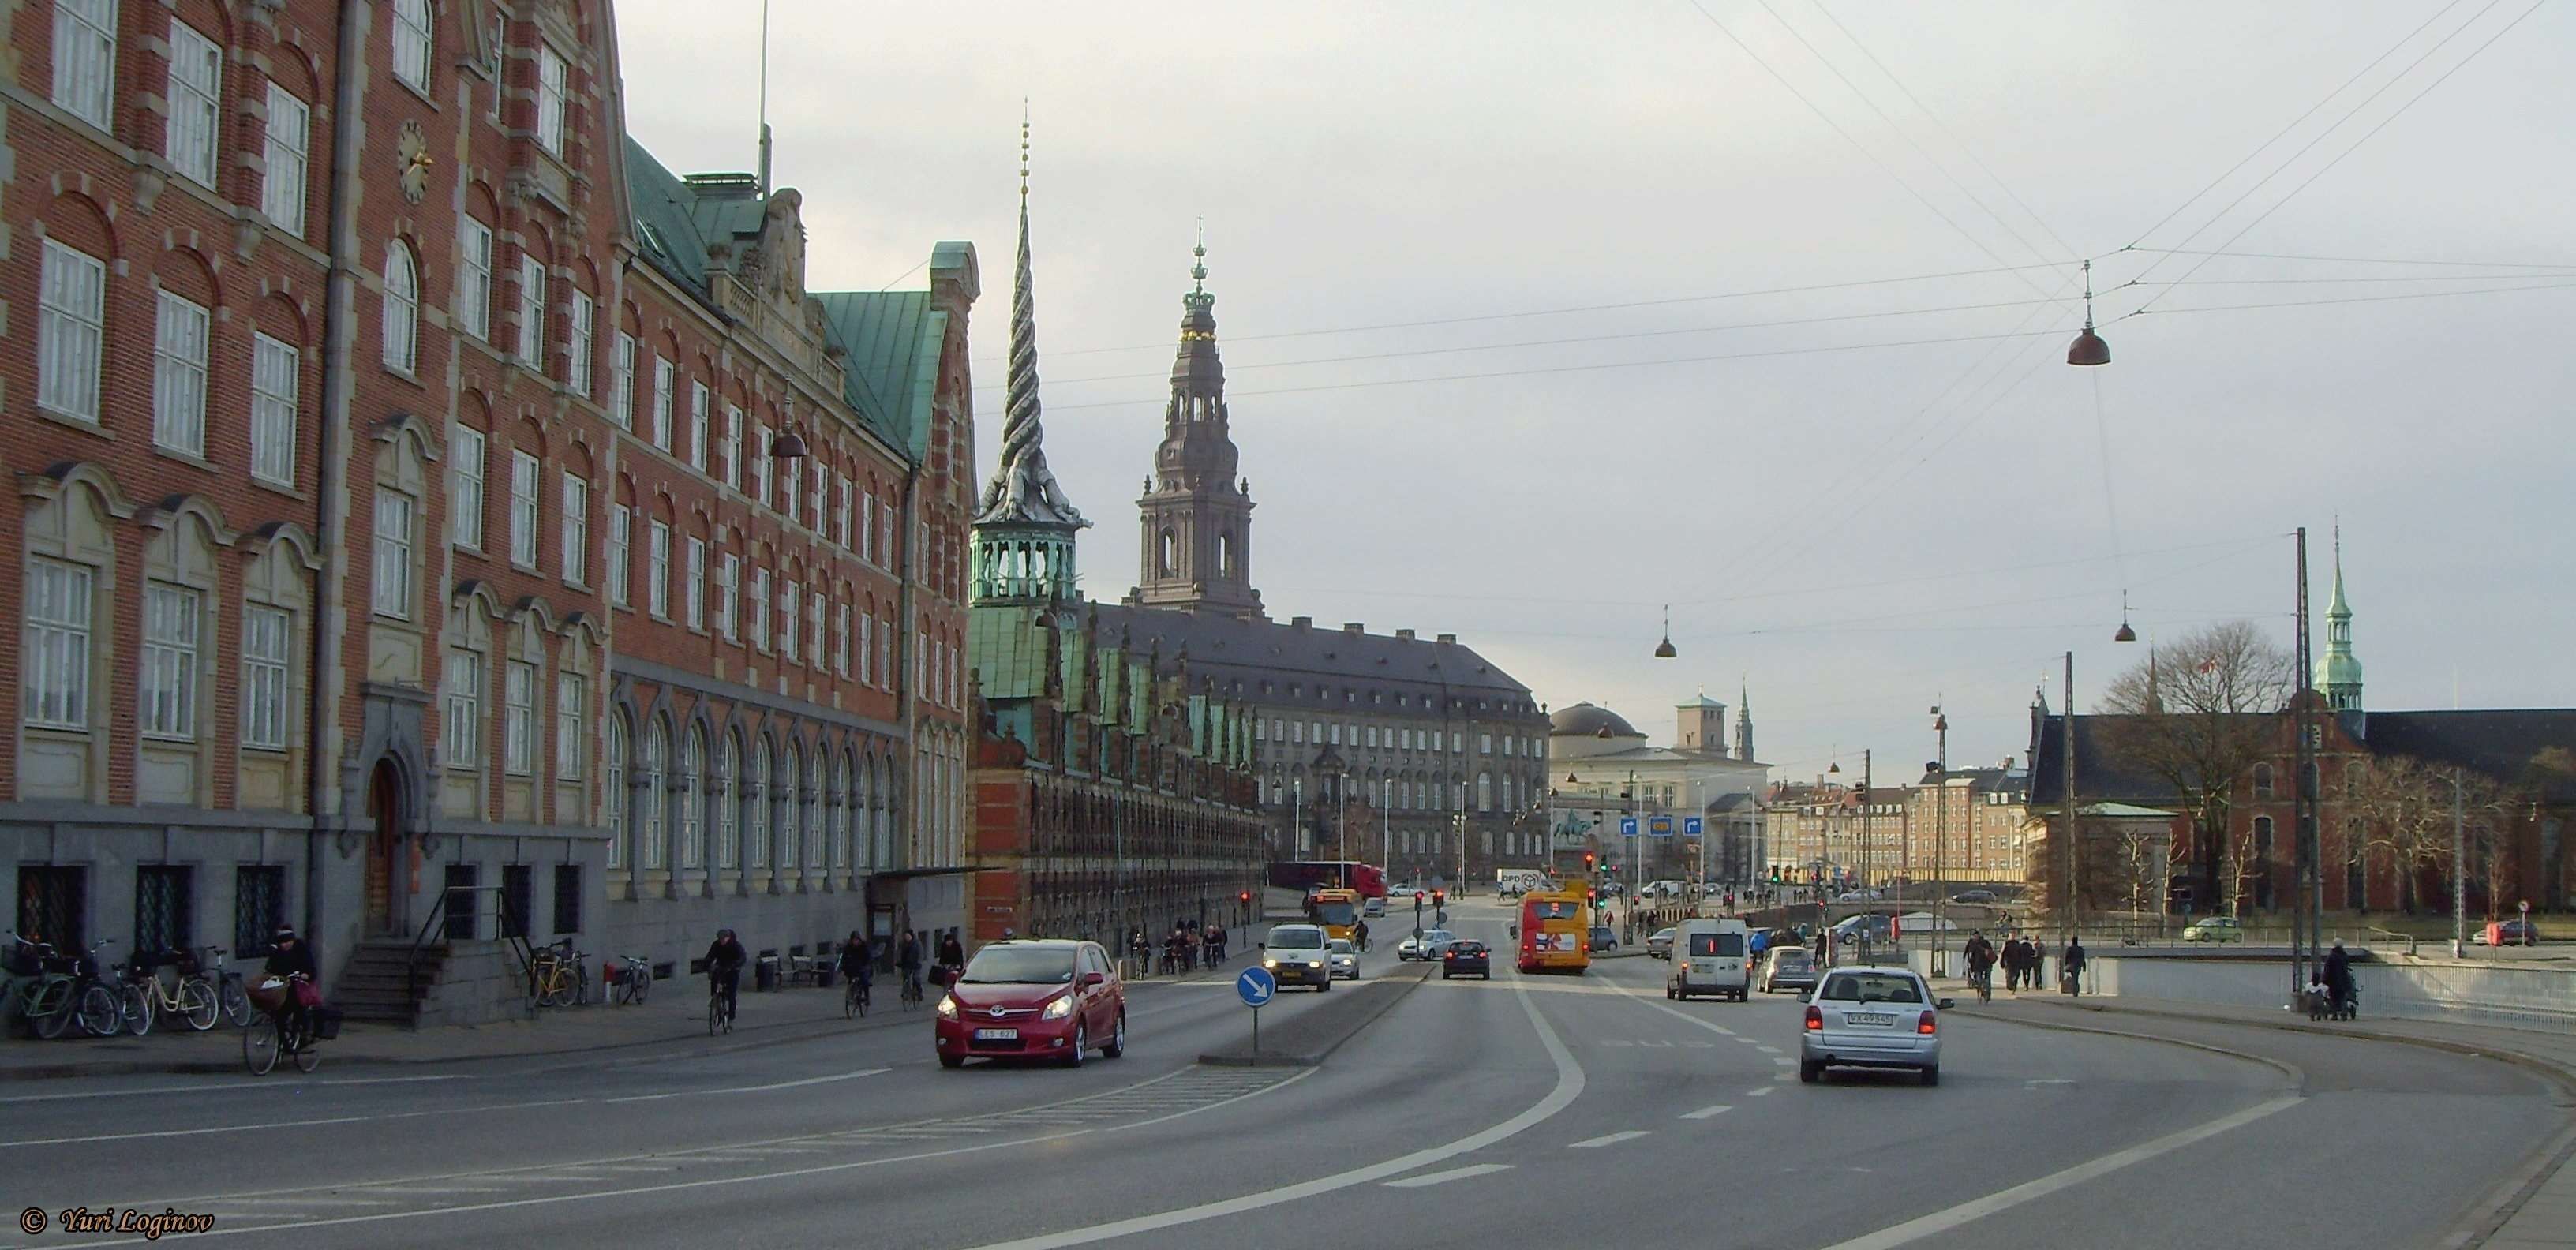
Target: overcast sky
{"type": "Point", "coordinates": [1856, 528]}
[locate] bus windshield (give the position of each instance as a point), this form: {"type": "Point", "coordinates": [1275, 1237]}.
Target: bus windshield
{"type": "Point", "coordinates": [1336, 913]}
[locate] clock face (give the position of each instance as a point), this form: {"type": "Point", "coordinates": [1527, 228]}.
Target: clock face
{"type": "Point", "coordinates": [411, 148]}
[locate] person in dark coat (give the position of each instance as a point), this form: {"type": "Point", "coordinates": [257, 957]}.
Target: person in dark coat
{"type": "Point", "coordinates": [2338, 976]}
{"type": "Point", "coordinates": [724, 963]}
{"type": "Point", "coordinates": [2071, 967]}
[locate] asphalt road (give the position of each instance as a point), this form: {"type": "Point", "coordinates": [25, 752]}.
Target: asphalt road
{"type": "Point", "coordinates": [1473, 1114]}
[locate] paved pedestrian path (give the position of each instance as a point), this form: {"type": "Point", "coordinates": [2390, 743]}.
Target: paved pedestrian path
{"type": "Point", "coordinates": [674, 1015]}
{"type": "Point", "coordinates": [2542, 1211]}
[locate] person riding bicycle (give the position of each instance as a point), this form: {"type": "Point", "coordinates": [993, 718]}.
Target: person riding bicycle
{"type": "Point", "coordinates": [289, 957]}
{"type": "Point", "coordinates": [907, 957]}
{"type": "Point", "coordinates": [725, 958]}
{"type": "Point", "coordinates": [1981, 959]}
{"type": "Point", "coordinates": [855, 967]}
{"type": "Point", "coordinates": [1359, 935]}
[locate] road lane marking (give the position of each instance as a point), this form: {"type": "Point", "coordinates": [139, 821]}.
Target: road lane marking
{"type": "Point", "coordinates": [1608, 1139]}
{"type": "Point", "coordinates": [2002, 1200]}
{"type": "Point", "coordinates": [1768, 1050]}
{"type": "Point", "coordinates": [1442, 1178]}
{"type": "Point", "coordinates": [1302, 1074]}
{"type": "Point", "coordinates": [222, 1086]}
{"type": "Point", "coordinates": [750, 1089]}
{"type": "Point", "coordinates": [1721, 1109]}
{"type": "Point", "coordinates": [1782, 1060]}
{"type": "Point", "coordinates": [436, 1189]}
{"type": "Point", "coordinates": [271, 1125]}
{"type": "Point", "coordinates": [1569, 1086]}
{"type": "Point", "coordinates": [304, 1200]}
{"type": "Point", "coordinates": [1756, 1093]}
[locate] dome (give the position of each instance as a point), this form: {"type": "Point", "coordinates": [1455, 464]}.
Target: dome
{"type": "Point", "coordinates": [1584, 720]}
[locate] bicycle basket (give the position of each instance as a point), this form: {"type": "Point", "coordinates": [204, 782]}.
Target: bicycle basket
{"type": "Point", "coordinates": [326, 1023]}
{"type": "Point", "coordinates": [268, 995]}
{"type": "Point", "coordinates": [186, 962]}
{"type": "Point", "coordinates": [18, 961]}
{"type": "Point", "coordinates": [62, 965]}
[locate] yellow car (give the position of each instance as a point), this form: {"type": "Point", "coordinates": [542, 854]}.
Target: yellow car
{"type": "Point", "coordinates": [2214, 929]}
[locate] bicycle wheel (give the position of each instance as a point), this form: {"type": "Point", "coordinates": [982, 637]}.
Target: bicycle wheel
{"type": "Point", "coordinates": [307, 1052]}
{"type": "Point", "coordinates": [197, 1003]}
{"type": "Point", "coordinates": [234, 1001]}
{"type": "Point", "coordinates": [640, 986]}
{"type": "Point", "coordinates": [553, 989]}
{"type": "Point", "coordinates": [715, 1015]}
{"type": "Point", "coordinates": [581, 986]}
{"type": "Point", "coordinates": [259, 1045]}
{"type": "Point", "coordinates": [850, 1001]}
{"type": "Point", "coordinates": [139, 1006]}
{"type": "Point", "coordinates": [52, 1010]}
{"type": "Point", "coordinates": [99, 1013]}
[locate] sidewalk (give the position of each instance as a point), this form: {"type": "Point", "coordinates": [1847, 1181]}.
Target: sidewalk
{"type": "Point", "coordinates": [676, 1014]}
{"type": "Point", "coordinates": [2539, 1212]}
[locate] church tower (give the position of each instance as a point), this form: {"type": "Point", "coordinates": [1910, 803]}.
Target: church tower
{"type": "Point", "coordinates": [1744, 724]}
{"type": "Point", "coordinates": [1197, 515]}
{"type": "Point", "coordinates": [1024, 527]}
{"type": "Point", "coordinates": [2338, 673]}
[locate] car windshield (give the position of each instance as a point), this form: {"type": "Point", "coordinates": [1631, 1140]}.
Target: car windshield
{"type": "Point", "coordinates": [1859, 987]}
{"type": "Point", "coordinates": [1342, 946]}
{"type": "Point", "coordinates": [1664, 935]}
{"type": "Point", "coordinates": [1297, 939]}
{"type": "Point", "coordinates": [1005, 965]}
{"type": "Point", "coordinates": [1791, 957]}
{"type": "Point", "coordinates": [1435, 935]}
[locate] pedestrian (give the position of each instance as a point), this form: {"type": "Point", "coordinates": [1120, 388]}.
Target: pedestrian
{"type": "Point", "coordinates": [2338, 978]}
{"type": "Point", "coordinates": [2012, 963]}
{"type": "Point", "coordinates": [2070, 969]}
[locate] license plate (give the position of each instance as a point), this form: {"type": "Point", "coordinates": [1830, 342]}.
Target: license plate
{"type": "Point", "coordinates": [1869, 1017]}
{"type": "Point", "coordinates": [997, 1035]}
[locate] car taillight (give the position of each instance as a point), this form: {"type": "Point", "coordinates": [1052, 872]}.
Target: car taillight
{"type": "Point", "coordinates": [1925, 1026]}
{"type": "Point", "coordinates": [1815, 1020]}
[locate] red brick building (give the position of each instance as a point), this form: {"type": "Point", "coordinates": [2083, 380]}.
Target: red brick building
{"type": "Point", "coordinates": [409, 499]}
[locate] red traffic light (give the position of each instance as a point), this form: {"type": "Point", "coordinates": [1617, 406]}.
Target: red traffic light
{"type": "Point", "coordinates": [1438, 897]}
{"type": "Point", "coordinates": [1243, 897]}
{"type": "Point", "coordinates": [1587, 861]}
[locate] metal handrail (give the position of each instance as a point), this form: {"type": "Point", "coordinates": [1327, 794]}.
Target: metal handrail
{"type": "Point", "coordinates": [517, 942]}
{"type": "Point", "coordinates": [2391, 936]}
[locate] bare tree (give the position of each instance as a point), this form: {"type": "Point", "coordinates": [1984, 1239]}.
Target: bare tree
{"type": "Point", "coordinates": [2404, 808]}
{"type": "Point", "coordinates": [2144, 855]}
{"type": "Point", "coordinates": [2197, 715]}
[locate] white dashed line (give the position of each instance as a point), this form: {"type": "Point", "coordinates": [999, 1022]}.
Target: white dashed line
{"type": "Point", "coordinates": [1756, 1093]}
{"type": "Point", "coordinates": [1609, 1139]}
{"type": "Point", "coordinates": [1453, 1174]}
{"type": "Point", "coordinates": [1706, 1112]}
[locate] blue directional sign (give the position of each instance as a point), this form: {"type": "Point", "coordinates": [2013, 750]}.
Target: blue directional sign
{"type": "Point", "coordinates": [1691, 826]}
{"type": "Point", "coordinates": [1627, 826]}
{"type": "Point", "coordinates": [1255, 986]}
{"type": "Point", "coordinates": [1660, 826]}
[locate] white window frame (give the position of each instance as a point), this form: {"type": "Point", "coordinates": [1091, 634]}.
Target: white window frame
{"type": "Point", "coordinates": [461, 733]}
{"type": "Point", "coordinates": [789, 637]}
{"type": "Point", "coordinates": [867, 651]}
{"type": "Point", "coordinates": [814, 626]}
{"type": "Point", "coordinates": [793, 480]}
{"type": "Point", "coordinates": [285, 145]}
{"type": "Point", "coordinates": [841, 518]}
{"type": "Point", "coordinates": [275, 377]}
{"type": "Point", "coordinates": [527, 475]}
{"type": "Point", "coordinates": [577, 346]}
{"type": "Point", "coordinates": [868, 526]}
{"type": "Point", "coordinates": [657, 568]}
{"type": "Point", "coordinates": [693, 582]}
{"type": "Point", "coordinates": [571, 702]}
{"type": "Point", "coordinates": [698, 426]}
{"type": "Point", "coordinates": [814, 502]}
{"type": "Point", "coordinates": [551, 98]}
{"type": "Point", "coordinates": [621, 528]}
{"type": "Point", "coordinates": [465, 452]}
{"type": "Point", "coordinates": [55, 665]}
{"type": "Point", "coordinates": [662, 378]}
{"type": "Point", "coordinates": [179, 336]}
{"type": "Point", "coordinates": [760, 462]}
{"type": "Point", "coordinates": [519, 718]}
{"type": "Point", "coordinates": [401, 334]}
{"type": "Point", "coordinates": [193, 92]}
{"type": "Point", "coordinates": [532, 312]}
{"type": "Point", "coordinates": [728, 594]}
{"type": "Point", "coordinates": [732, 448]}
{"type": "Point", "coordinates": [267, 703]}
{"type": "Point", "coordinates": [576, 529]}
{"type": "Point", "coordinates": [759, 600]}
{"type": "Point", "coordinates": [85, 60]}
{"type": "Point", "coordinates": [841, 638]}
{"type": "Point", "coordinates": [621, 381]}
{"type": "Point", "coordinates": [474, 279]}
{"type": "Point", "coordinates": [71, 322]}
{"type": "Point", "coordinates": [391, 576]}
{"type": "Point", "coordinates": [413, 42]}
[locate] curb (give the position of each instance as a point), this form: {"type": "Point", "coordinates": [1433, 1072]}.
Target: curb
{"type": "Point", "coordinates": [2556, 1074]}
{"type": "Point", "coordinates": [1365, 1015]}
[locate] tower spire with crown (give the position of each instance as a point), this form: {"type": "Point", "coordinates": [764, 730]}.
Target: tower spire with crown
{"type": "Point", "coordinates": [1196, 513]}
{"type": "Point", "coordinates": [1744, 722]}
{"type": "Point", "coordinates": [1024, 527]}
{"type": "Point", "coordinates": [2338, 674]}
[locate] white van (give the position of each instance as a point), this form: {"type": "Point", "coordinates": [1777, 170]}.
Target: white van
{"type": "Point", "coordinates": [1709, 957]}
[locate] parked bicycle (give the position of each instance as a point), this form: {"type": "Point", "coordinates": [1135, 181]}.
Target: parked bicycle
{"type": "Point", "coordinates": [148, 994]}
{"type": "Point", "coordinates": [64, 992]}
{"type": "Point", "coordinates": [631, 977]}
{"type": "Point", "coordinates": [230, 997]}
{"type": "Point", "coordinates": [559, 975]}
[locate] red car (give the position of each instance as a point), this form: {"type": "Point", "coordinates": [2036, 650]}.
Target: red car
{"type": "Point", "coordinates": [1038, 999]}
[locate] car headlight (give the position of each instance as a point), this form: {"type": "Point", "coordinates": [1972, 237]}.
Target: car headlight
{"type": "Point", "coordinates": [947, 1008]}
{"type": "Point", "coordinates": [1270, 963]}
{"type": "Point", "coordinates": [1059, 1007]}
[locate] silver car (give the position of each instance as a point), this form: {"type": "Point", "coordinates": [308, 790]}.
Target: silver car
{"type": "Point", "coordinates": [1344, 959]}
{"type": "Point", "coordinates": [1433, 944]}
{"type": "Point", "coordinates": [1872, 1018]}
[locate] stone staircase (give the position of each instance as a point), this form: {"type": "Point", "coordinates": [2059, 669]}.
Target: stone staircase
{"type": "Point", "coordinates": [376, 984]}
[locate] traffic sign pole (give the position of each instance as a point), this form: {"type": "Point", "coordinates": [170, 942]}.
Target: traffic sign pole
{"type": "Point", "coordinates": [1255, 985]}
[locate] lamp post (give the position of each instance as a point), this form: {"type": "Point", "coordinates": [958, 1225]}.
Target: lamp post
{"type": "Point", "coordinates": [1940, 842]}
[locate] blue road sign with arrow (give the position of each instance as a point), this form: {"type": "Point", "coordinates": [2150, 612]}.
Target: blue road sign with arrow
{"type": "Point", "coordinates": [1627, 826]}
{"type": "Point", "coordinates": [1690, 826]}
{"type": "Point", "coordinates": [1255, 986]}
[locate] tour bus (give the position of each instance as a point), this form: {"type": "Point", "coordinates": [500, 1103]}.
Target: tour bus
{"type": "Point", "coordinates": [1554, 930]}
{"type": "Point", "coordinates": [1338, 911]}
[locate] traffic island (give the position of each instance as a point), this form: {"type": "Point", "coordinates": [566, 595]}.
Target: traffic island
{"type": "Point", "coordinates": [1305, 1039]}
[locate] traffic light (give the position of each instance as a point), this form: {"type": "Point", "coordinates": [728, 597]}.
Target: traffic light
{"type": "Point", "coordinates": [1592, 895]}
{"type": "Point", "coordinates": [1244, 896]}
{"type": "Point", "coordinates": [1439, 898]}
{"type": "Point", "coordinates": [1587, 861]}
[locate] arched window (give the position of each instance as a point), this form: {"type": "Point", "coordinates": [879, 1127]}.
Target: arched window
{"type": "Point", "coordinates": [815, 829]}
{"type": "Point", "coordinates": [692, 800]}
{"type": "Point", "coordinates": [2262, 781]}
{"type": "Point", "coordinates": [784, 792]}
{"type": "Point", "coordinates": [1484, 792]}
{"type": "Point", "coordinates": [613, 803]}
{"type": "Point", "coordinates": [1224, 554]}
{"type": "Point", "coordinates": [402, 308]}
{"type": "Point", "coordinates": [1168, 554]}
{"type": "Point", "coordinates": [727, 804]}
{"type": "Point", "coordinates": [841, 798]}
{"type": "Point", "coordinates": [656, 754]}
{"type": "Point", "coordinates": [755, 805]}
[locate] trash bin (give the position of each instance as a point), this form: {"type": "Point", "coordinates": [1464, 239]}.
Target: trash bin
{"type": "Point", "coordinates": [764, 974]}
{"type": "Point", "coordinates": [822, 975]}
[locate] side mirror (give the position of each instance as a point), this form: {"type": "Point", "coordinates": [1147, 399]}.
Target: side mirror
{"type": "Point", "coordinates": [1946, 1003]}
{"type": "Point", "coordinates": [1090, 979]}
{"type": "Point", "coordinates": [1808, 997]}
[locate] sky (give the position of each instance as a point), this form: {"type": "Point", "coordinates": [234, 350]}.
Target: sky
{"type": "Point", "coordinates": [1541, 316]}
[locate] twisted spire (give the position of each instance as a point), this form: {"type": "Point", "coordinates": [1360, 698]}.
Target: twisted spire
{"type": "Point", "coordinates": [1023, 490]}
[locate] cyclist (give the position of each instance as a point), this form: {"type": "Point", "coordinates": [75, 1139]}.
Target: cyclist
{"type": "Point", "coordinates": [290, 958]}
{"type": "Point", "coordinates": [1981, 964]}
{"type": "Point", "coordinates": [907, 957]}
{"type": "Point", "coordinates": [725, 958]}
{"type": "Point", "coordinates": [856, 969]}
{"type": "Point", "coordinates": [1359, 935]}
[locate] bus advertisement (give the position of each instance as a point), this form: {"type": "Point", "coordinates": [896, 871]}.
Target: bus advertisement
{"type": "Point", "coordinates": [1308, 875]}
{"type": "Point", "coordinates": [1555, 932]}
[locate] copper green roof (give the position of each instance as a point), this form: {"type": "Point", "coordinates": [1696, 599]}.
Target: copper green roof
{"type": "Point", "coordinates": [892, 339]}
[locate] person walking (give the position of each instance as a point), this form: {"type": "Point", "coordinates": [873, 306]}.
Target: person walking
{"type": "Point", "coordinates": [2070, 968]}
{"type": "Point", "coordinates": [2338, 978]}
